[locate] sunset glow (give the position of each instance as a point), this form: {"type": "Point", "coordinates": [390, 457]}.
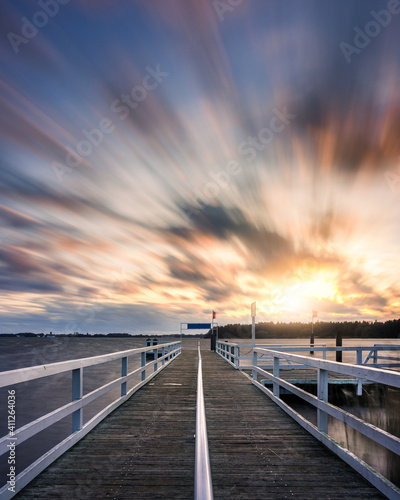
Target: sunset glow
{"type": "Point", "coordinates": [159, 162]}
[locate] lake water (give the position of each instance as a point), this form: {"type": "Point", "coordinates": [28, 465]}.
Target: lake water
{"type": "Point", "coordinates": [378, 406]}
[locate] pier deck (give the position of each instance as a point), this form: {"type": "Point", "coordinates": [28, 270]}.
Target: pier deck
{"type": "Point", "coordinates": [145, 449]}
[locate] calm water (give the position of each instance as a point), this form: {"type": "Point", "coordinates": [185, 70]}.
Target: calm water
{"type": "Point", "coordinates": [36, 398]}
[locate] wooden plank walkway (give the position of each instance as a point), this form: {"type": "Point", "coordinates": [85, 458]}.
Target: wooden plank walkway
{"type": "Point", "coordinates": [145, 449]}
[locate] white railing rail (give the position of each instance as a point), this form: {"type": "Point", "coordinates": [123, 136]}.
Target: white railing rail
{"type": "Point", "coordinates": [202, 478]}
{"type": "Point", "coordinates": [147, 371]}
{"type": "Point", "coordinates": [324, 408]}
{"type": "Point", "coordinates": [232, 353]}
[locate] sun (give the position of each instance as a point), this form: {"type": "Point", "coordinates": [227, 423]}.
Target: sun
{"type": "Point", "coordinates": [319, 287]}
{"type": "Point", "coordinates": [299, 295]}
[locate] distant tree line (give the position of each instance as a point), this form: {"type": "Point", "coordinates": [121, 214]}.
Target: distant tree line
{"type": "Point", "coordinates": [323, 329]}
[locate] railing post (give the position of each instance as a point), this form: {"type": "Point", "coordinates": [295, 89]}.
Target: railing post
{"type": "Point", "coordinates": [339, 343]}
{"type": "Point", "coordinates": [254, 364]}
{"type": "Point", "coordinates": [359, 380]}
{"type": "Point", "coordinates": [124, 373]}
{"type": "Point", "coordinates": [236, 356]}
{"type": "Point", "coordinates": [143, 364]}
{"type": "Point", "coordinates": [163, 354]}
{"type": "Point", "coordinates": [322, 417]}
{"type": "Point", "coordinates": [155, 358]}
{"type": "Point", "coordinates": [77, 392]}
{"type": "Point", "coordinates": [375, 356]}
{"type": "Point", "coordinates": [275, 385]}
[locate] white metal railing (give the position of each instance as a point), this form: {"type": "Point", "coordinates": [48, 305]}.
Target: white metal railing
{"type": "Point", "coordinates": [232, 353]}
{"type": "Point", "coordinates": [202, 477]}
{"type": "Point", "coordinates": [146, 371]}
{"type": "Point", "coordinates": [324, 408]}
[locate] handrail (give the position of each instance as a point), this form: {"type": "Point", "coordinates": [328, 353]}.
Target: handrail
{"type": "Point", "coordinates": [324, 408]}
{"type": "Point", "coordinates": [12, 377]}
{"type": "Point", "coordinates": [230, 352]}
{"type": "Point", "coordinates": [146, 370]}
{"type": "Point", "coordinates": [202, 478]}
{"type": "Point", "coordinates": [378, 375]}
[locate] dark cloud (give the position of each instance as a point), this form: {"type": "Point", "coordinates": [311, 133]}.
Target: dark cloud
{"type": "Point", "coordinates": [264, 247]}
{"type": "Point", "coordinates": [16, 219]}
{"type": "Point", "coordinates": [184, 271]}
{"type": "Point", "coordinates": [16, 284]}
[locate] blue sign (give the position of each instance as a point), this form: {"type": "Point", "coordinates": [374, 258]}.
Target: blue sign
{"type": "Point", "coordinates": [198, 326]}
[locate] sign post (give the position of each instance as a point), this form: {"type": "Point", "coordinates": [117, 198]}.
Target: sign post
{"type": "Point", "coordinates": [253, 324]}
{"type": "Point", "coordinates": [314, 315]}
{"type": "Point", "coordinates": [202, 326]}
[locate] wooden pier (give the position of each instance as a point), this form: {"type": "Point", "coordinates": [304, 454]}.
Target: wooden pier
{"type": "Point", "coordinates": [145, 448]}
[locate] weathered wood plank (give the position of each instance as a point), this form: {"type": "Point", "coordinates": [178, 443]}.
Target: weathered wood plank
{"type": "Point", "coordinates": [145, 449]}
{"type": "Point", "coordinates": [257, 452]}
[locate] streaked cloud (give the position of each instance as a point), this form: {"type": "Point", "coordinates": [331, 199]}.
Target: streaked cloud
{"type": "Point", "coordinates": [199, 196]}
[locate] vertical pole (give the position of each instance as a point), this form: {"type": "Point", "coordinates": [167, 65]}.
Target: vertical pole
{"type": "Point", "coordinates": [359, 380]}
{"type": "Point", "coordinates": [236, 356]}
{"type": "Point", "coordinates": [322, 417]}
{"type": "Point", "coordinates": [254, 364]}
{"type": "Point", "coordinates": [312, 334]}
{"type": "Point", "coordinates": [124, 373]}
{"type": "Point", "coordinates": [275, 385]}
{"type": "Point", "coordinates": [143, 364]}
{"type": "Point", "coordinates": [253, 310]}
{"type": "Point", "coordinates": [339, 343]}
{"type": "Point", "coordinates": [163, 354]}
{"type": "Point", "coordinates": [77, 391]}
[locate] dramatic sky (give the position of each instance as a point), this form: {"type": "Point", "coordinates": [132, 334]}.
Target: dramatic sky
{"type": "Point", "coordinates": [163, 158]}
